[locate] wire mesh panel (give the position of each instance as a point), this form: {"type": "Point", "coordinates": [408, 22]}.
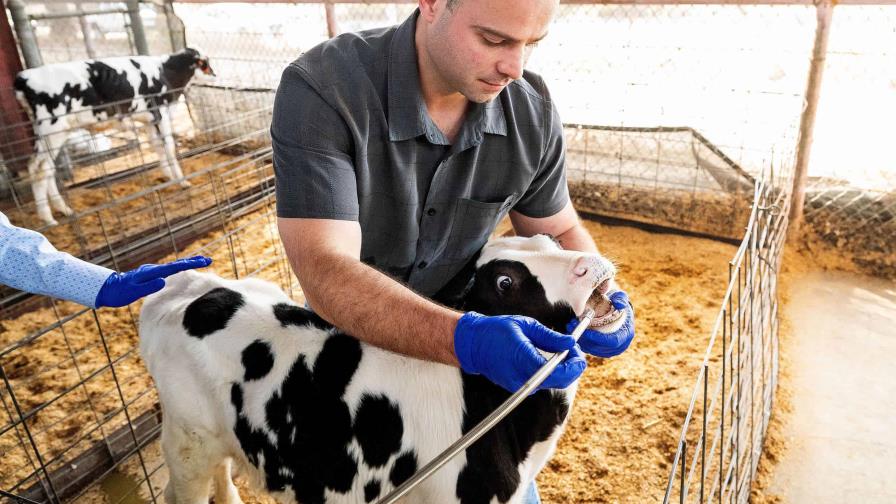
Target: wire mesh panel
{"type": "Point", "coordinates": [250, 45]}
{"type": "Point", "coordinates": [71, 31]}
{"type": "Point", "coordinates": [851, 195]}
{"type": "Point", "coordinates": [662, 175]}
{"type": "Point", "coordinates": [721, 440]}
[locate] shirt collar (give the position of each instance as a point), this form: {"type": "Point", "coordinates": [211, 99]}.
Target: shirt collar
{"type": "Point", "coordinates": [408, 116]}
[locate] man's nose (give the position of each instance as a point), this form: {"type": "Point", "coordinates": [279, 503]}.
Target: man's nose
{"type": "Point", "coordinates": [513, 62]}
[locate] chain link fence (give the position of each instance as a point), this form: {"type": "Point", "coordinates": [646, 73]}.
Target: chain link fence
{"type": "Point", "coordinates": [70, 31]}
{"type": "Point", "coordinates": [850, 210]}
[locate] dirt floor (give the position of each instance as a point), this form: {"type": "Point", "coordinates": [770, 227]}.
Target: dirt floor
{"type": "Point", "coordinates": [628, 413]}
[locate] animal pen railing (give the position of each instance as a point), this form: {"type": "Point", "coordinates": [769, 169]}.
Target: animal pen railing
{"type": "Point", "coordinates": [78, 403]}
{"type": "Point", "coordinates": [721, 440]}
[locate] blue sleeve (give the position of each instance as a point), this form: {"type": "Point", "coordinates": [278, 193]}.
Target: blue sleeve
{"type": "Point", "coordinates": [30, 263]}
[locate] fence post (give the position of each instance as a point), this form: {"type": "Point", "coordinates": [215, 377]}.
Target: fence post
{"type": "Point", "coordinates": [86, 31]}
{"type": "Point", "coordinates": [137, 27]}
{"type": "Point", "coordinates": [332, 26]}
{"type": "Point", "coordinates": [25, 33]}
{"type": "Point", "coordinates": [16, 143]}
{"type": "Point", "coordinates": [176, 29]}
{"type": "Point", "coordinates": [824, 11]}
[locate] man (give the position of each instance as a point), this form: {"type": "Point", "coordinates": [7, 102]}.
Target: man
{"type": "Point", "coordinates": [397, 151]}
{"type": "Point", "coordinates": [30, 263]}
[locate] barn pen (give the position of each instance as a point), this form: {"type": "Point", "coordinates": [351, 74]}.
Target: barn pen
{"type": "Point", "coordinates": [687, 137]}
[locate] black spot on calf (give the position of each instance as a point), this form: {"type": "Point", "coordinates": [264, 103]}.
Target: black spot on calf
{"type": "Point", "coordinates": [378, 429]}
{"type": "Point", "coordinates": [291, 315]}
{"type": "Point", "coordinates": [405, 467]}
{"type": "Point", "coordinates": [310, 422]}
{"type": "Point", "coordinates": [371, 490]}
{"type": "Point", "coordinates": [336, 364]}
{"type": "Point", "coordinates": [257, 360]}
{"type": "Point", "coordinates": [211, 311]}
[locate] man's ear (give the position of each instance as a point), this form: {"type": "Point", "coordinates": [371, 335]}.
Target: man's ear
{"type": "Point", "coordinates": [428, 9]}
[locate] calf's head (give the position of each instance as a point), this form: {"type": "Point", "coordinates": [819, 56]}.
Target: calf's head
{"type": "Point", "coordinates": [535, 277]}
{"type": "Point", "coordinates": [180, 67]}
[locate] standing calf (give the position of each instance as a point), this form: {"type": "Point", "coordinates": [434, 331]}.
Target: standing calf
{"type": "Point", "coordinates": [315, 416]}
{"type": "Point", "coordinates": [63, 96]}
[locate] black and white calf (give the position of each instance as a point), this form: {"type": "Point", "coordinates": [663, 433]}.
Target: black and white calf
{"type": "Point", "coordinates": [315, 416]}
{"type": "Point", "coordinates": [63, 96]}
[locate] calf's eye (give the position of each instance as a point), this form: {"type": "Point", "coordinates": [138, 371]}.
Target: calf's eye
{"type": "Point", "coordinates": [504, 282]}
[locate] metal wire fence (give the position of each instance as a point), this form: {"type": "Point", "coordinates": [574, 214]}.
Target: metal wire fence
{"type": "Point", "coordinates": [851, 194]}
{"type": "Point", "coordinates": [70, 31]}
{"type": "Point", "coordinates": [721, 440]}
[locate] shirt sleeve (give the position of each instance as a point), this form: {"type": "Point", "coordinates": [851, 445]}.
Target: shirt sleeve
{"type": "Point", "coordinates": [312, 148]}
{"type": "Point", "coordinates": [548, 193]}
{"type": "Point", "coordinates": [30, 263]}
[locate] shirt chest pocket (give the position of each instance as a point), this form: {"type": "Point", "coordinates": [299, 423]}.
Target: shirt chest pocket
{"type": "Point", "coordinates": [472, 223]}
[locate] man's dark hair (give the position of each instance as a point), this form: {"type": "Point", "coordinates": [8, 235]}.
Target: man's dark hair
{"type": "Point", "coordinates": [452, 4]}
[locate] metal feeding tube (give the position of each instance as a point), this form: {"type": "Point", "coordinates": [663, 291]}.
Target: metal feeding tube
{"type": "Point", "coordinates": [490, 421]}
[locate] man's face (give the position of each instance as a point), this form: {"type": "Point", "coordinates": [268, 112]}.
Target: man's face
{"type": "Point", "coordinates": [480, 46]}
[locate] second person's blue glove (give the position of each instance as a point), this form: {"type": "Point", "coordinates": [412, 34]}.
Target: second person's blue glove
{"type": "Point", "coordinates": [503, 349]}
{"type": "Point", "coordinates": [124, 288]}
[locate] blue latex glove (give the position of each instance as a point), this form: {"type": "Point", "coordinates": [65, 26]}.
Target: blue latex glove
{"type": "Point", "coordinates": [124, 288]}
{"type": "Point", "coordinates": [609, 344]}
{"type": "Point", "coordinates": [503, 349]}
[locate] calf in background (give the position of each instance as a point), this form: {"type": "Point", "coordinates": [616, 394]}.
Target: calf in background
{"type": "Point", "coordinates": [63, 96]}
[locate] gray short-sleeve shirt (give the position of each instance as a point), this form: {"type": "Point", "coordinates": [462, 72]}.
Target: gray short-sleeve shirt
{"type": "Point", "coordinates": [353, 140]}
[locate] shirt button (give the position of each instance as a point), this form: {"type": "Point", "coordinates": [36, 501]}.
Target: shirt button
{"type": "Point", "coordinates": [431, 212]}
{"type": "Point", "coordinates": [422, 264]}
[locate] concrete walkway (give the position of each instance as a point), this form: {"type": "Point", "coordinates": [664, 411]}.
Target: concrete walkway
{"type": "Point", "coordinates": [842, 431]}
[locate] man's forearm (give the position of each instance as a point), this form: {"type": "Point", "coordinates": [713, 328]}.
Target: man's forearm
{"type": "Point", "coordinates": [565, 226]}
{"type": "Point", "coordinates": [380, 311]}
{"type": "Point", "coordinates": [577, 238]}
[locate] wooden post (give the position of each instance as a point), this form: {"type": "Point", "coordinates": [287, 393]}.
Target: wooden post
{"type": "Point", "coordinates": [824, 13]}
{"type": "Point", "coordinates": [332, 26]}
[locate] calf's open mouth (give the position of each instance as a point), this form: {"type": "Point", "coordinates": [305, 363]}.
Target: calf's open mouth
{"type": "Point", "coordinates": [605, 313]}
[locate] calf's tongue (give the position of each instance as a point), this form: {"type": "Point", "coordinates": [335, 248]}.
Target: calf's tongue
{"type": "Point", "coordinates": [601, 305]}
